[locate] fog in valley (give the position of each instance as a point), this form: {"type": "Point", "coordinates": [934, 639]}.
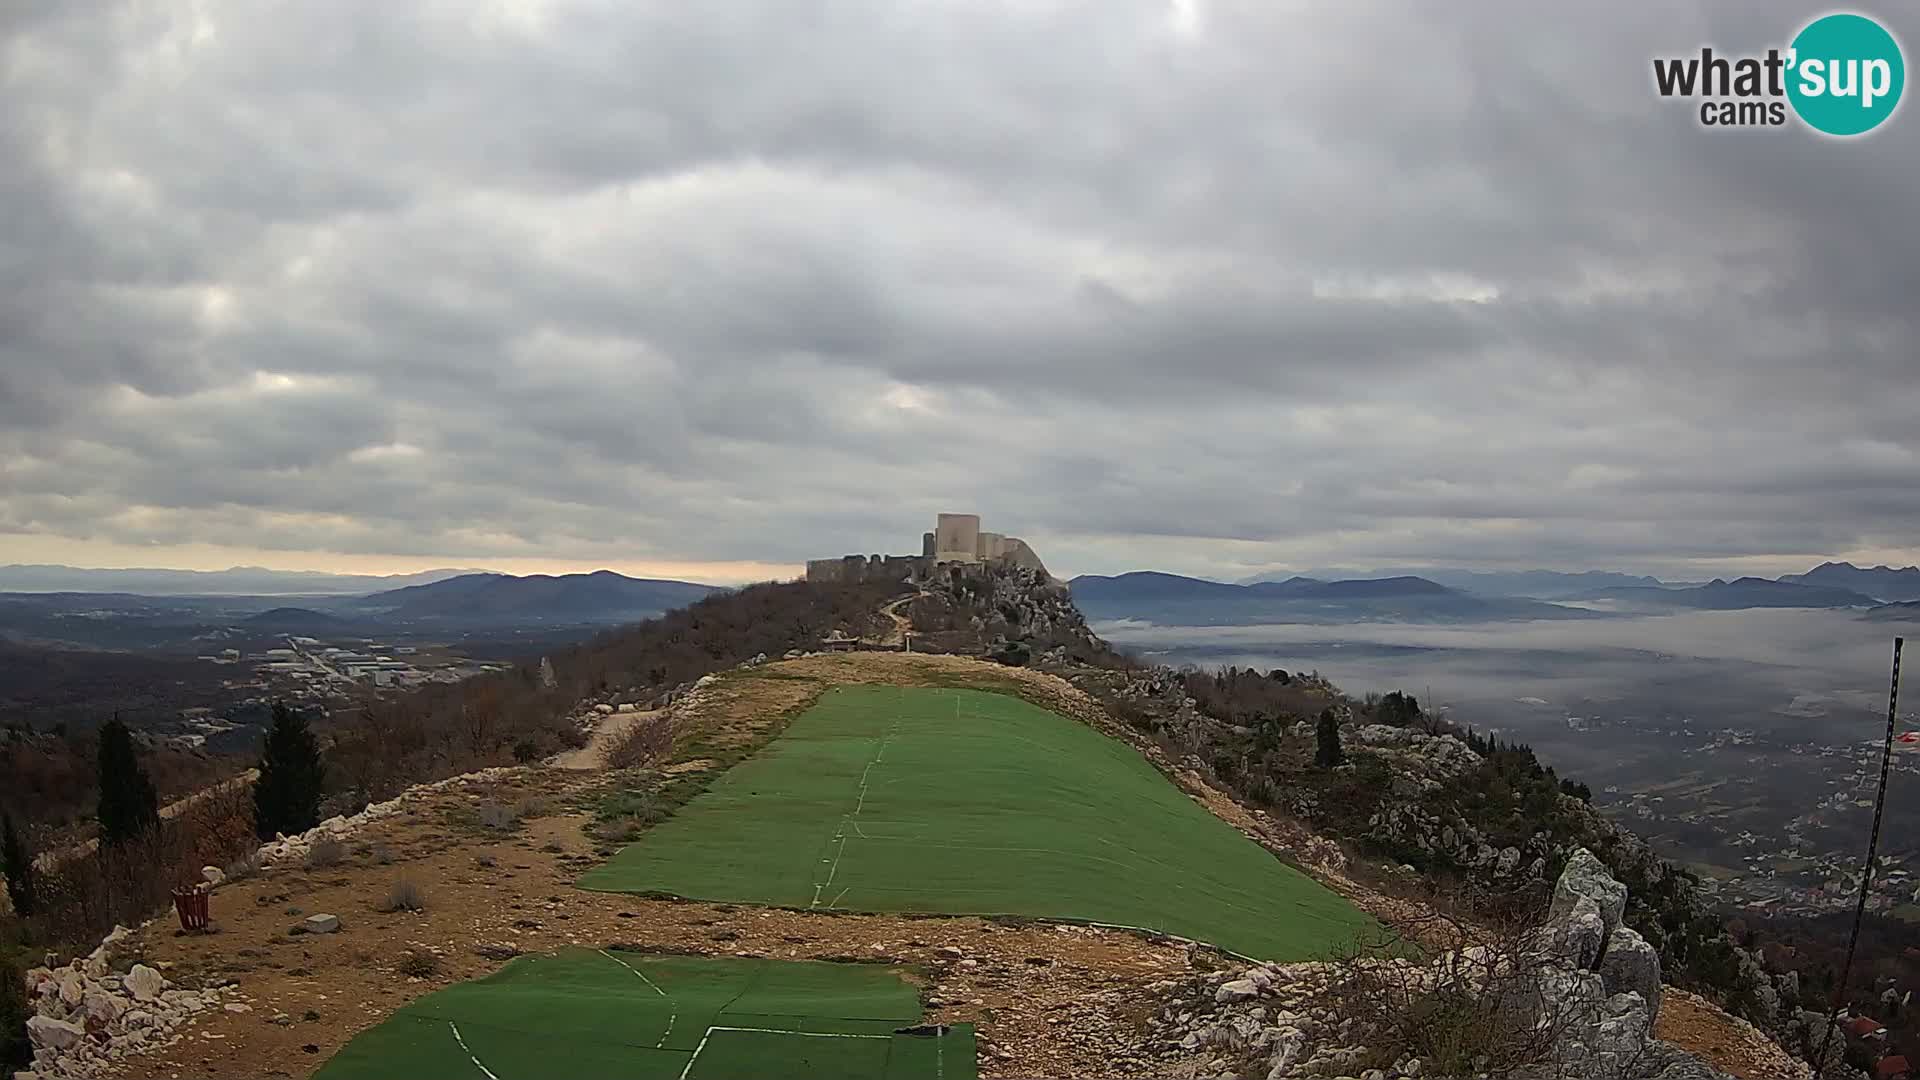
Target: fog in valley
{"type": "Point", "coordinates": [1742, 742]}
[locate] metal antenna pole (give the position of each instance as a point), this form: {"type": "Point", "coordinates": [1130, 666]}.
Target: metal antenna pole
{"type": "Point", "coordinates": [1866, 876]}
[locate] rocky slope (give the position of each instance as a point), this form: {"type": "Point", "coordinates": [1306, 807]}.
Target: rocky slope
{"type": "Point", "coordinates": [1437, 803]}
{"type": "Point", "coordinates": [1582, 992]}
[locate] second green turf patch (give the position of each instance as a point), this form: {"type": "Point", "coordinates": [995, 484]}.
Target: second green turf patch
{"type": "Point", "coordinates": [963, 802]}
{"type": "Point", "coordinates": [610, 1015]}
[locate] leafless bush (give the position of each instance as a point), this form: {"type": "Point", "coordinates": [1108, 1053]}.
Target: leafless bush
{"type": "Point", "coordinates": [324, 853]}
{"type": "Point", "coordinates": [404, 895]}
{"type": "Point", "coordinates": [493, 815]}
{"type": "Point", "coordinates": [418, 963]}
{"type": "Point", "coordinates": [380, 853]}
{"type": "Point", "coordinates": [533, 806]}
{"type": "Point", "coordinates": [1473, 1008]}
{"type": "Point", "coordinates": [244, 867]}
{"type": "Point", "coordinates": [646, 742]}
{"type": "Point", "coordinates": [82, 897]}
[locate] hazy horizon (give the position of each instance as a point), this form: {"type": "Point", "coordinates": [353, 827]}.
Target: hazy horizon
{"type": "Point", "coordinates": [735, 573]}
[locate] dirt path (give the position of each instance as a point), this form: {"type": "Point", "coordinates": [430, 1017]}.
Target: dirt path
{"type": "Point", "coordinates": [605, 734]}
{"type": "Point", "coordinates": [1735, 1046]}
{"type": "Point", "coordinates": [902, 624]}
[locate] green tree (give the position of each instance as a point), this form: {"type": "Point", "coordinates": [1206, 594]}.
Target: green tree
{"type": "Point", "coordinates": [1398, 709]}
{"type": "Point", "coordinates": [286, 798]}
{"type": "Point", "coordinates": [128, 804]}
{"type": "Point", "coordinates": [16, 860]}
{"type": "Point", "coordinates": [1329, 753]}
{"type": "Point", "coordinates": [15, 1047]}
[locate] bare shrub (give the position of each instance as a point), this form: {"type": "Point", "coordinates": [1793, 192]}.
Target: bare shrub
{"type": "Point", "coordinates": [1474, 1008]}
{"type": "Point", "coordinates": [641, 745]}
{"type": "Point", "coordinates": [493, 815]}
{"type": "Point", "coordinates": [418, 963]}
{"type": "Point", "coordinates": [404, 895]}
{"type": "Point", "coordinates": [533, 806]}
{"type": "Point", "coordinates": [380, 853]}
{"type": "Point", "coordinates": [324, 853]}
{"type": "Point", "coordinates": [82, 897]}
{"type": "Point", "coordinates": [244, 867]}
{"type": "Point", "coordinates": [622, 815]}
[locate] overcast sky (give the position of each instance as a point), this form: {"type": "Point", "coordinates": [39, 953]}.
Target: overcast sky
{"type": "Point", "coordinates": [707, 288]}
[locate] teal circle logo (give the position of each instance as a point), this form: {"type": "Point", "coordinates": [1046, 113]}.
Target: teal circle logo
{"type": "Point", "coordinates": [1846, 74]}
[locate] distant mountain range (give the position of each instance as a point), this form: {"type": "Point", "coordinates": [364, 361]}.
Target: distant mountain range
{"type": "Point", "coordinates": [602, 596]}
{"type": "Point", "coordinates": [1172, 600]}
{"type": "Point", "coordinates": [1535, 584]}
{"type": "Point", "coordinates": [1457, 595]}
{"type": "Point", "coordinates": [1904, 611]}
{"type": "Point", "coordinates": [292, 620]}
{"type": "Point", "coordinates": [1879, 582]}
{"type": "Point", "coordinates": [1739, 594]}
{"type": "Point", "coordinates": [484, 605]}
{"type": "Point", "coordinates": [236, 581]}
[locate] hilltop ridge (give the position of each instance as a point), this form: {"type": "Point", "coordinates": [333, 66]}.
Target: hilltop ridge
{"type": "Point", "coordinates": [1416, 803]}
{"type": "Point", "coordinates": [601, 594]}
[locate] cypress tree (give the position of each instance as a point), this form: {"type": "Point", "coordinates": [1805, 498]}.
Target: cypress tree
{"type": "Point", "coordinates": [286, 798]}
{"type": "Point", "coordinates": [17, 862]}
{"type": "Point", "coordinates": [15, 1047]}
{"type": "Point", "coordinates": [1328, 753]}
{"type": "Point", "coordinates": [128, 804]}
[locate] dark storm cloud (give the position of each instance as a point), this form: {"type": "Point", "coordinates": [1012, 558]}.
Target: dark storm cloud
{"type": "Point", "coordinates": [1206, 286]}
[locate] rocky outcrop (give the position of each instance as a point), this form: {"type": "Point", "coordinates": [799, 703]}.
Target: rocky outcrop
{"type": "Point", "coordinates": [1585, 983]}
{"type": "Point", "coordinates": [98, 1009]}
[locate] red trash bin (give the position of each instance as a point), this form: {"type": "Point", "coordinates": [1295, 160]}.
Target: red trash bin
{"type": "Point", "coordinates": [191, 903]}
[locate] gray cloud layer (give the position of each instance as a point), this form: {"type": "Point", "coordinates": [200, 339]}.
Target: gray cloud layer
{"type": "Point", "coordinates": [1204, 285]}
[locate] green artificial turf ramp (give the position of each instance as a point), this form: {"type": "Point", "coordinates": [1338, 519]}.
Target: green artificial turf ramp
{"type": "Point", "coordinates": [590, 1015]}
{"type": "Point", "coordinates": [968, 803]}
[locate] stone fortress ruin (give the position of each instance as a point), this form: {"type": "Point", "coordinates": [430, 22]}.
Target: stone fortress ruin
{"type": "Point", "coordinates": [956, 538]}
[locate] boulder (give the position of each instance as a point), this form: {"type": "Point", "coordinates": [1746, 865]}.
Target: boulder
{"type": "Point", "coordinates": [1632, 965]}
{"type": "Point", "coordinates": [1578, 939]}
{"type": "Point", "coordinates": [73, 989]}
{"type": "Point", "coordinates": [1586, 876]}
{"type": "Point", "coordinates": [1509, 861]}
{"type": "Point", "coordinates": [321, 924]}
{"type": "Point", "coordinates": [53, 1034]}
{"type": "Point", "coordinates": [1236, 990]}
{"type": "Point", "coordinates": [144, 983]}
{"type": "Point", "coordinates": [213, 876]}
{"type": "Point", "coordinates": [103, 1006]}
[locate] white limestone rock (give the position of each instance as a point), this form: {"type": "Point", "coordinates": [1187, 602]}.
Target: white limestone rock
{"type": "Point", "coordinates": [144, 983]}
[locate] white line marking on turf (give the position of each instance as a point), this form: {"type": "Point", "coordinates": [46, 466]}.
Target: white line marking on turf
{"type": "Point", "coordinates": [852, 819]}
{"type": "Point", "coordinates": [470, 1057]}
{"type": "Point", "coordinates": [673, 1006]}
{"type": "Point", "coordinates": [765, 1031]}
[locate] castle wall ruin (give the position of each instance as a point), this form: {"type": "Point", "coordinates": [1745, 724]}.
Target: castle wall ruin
{"type": "Point", "coordinates": [956, 538]}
